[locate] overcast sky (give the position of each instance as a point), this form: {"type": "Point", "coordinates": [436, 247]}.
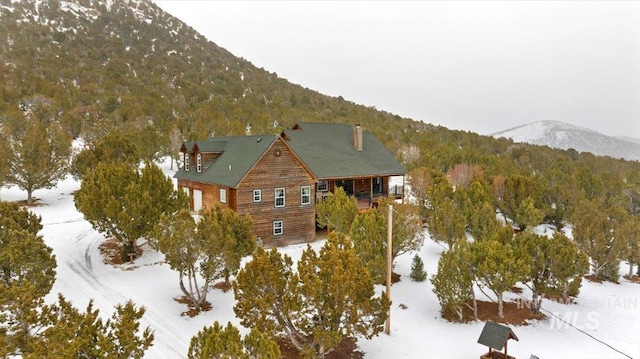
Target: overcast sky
{"type": "Point", "coordinates": [482, 66]}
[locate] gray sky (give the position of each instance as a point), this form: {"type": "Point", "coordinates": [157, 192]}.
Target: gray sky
{"type": "Point", "coordinates": [482, 66]}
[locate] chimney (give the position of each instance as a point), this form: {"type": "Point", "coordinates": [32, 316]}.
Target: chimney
{"type": "Point", "coordinates": [357, 137]}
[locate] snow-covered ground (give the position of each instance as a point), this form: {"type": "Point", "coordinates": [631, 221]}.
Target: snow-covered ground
{"type": "Point", "coordinates": [605, 321]}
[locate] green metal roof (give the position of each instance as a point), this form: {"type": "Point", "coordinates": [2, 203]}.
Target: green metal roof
{"type": "Point", "coordinates": [327, 149]}
{"type": "Point", "coordinates": [239, 154]}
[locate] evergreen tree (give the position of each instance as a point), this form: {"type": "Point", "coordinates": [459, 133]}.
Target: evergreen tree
{"type": "Point", "coordinates": [40, 152]}
{"type": "Point", "coordinates": [5, 157]}
{"type": "Point", "coordinates": [518, 188]}
{"type": "Point", "coordinates": [337, 211]}
{"type": "Point", "coordinates": [407, 233]}
{"type": "Point", "coordinates": [453, 281]}
{"type": "Point", "coordinates": [630, 233]}
{"type": "Point", "coordinates": [231, 236]}
{"type": "Point", "coordinates": [445, 217]}
{"type": "Point", "coordinates": [446, 222]}
{"type": "Point", "coordinates": [417, 269]}
{"type": "Point", "coordinates": [112, 148]}
{"type": "Point", "coordinates": [369, 236]}
{"type": "Point", "coordinates": [527, 216]}
{"type": "Point", "coordinates": [500, 263]}
{"type": "Point", "coordinates": [479, 210]}
{"type": "Point", "coordinates": [330, 297]}
{"type": "Point", "coordinates": [568, 265]}
{"type": "Point", "coordinates": [594, 233]}
{"type": "Point", "coordinates": [484, 222]}
{"type": "Point", "coordinates": [123, 336]}
{"type": "Point", "coordinates": [189, 249]}
{"type": "Point", "coordinates": [556, 263]}
{"type": "Point", "coordinates": [27, 273]}
{"type": "Point", "coordinates": [70, 333]}
{"type": "Point", "coordinates": [125, 203]}
{"type": "Point", "coordinates": [218, 342]}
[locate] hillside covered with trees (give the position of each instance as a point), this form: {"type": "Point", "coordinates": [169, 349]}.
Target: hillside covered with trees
{"type": "Point", "coordinates": [131, 82]}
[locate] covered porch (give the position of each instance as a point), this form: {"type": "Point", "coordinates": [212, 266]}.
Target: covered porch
{"type": "Point", "coordinates": [366, 190]}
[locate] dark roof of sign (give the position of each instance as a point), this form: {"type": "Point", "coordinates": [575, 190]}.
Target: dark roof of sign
{"type": "Point", "coordinates": [495, 335]}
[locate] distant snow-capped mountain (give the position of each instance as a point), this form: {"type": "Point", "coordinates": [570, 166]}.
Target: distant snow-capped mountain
{"type": "Point", "coordinates": [564, 136]}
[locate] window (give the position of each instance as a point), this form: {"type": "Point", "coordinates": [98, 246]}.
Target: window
{"type": "Point", "coordinates": [305, 195]}
{"type": "Point", "coordinates": [223, 195]}
{"type": "Point", "coordinates": [186, 161]}
{"type": "Point", "coordinates": [278, 228]}
{"type": "Point", "coordinates": [279, 197]}
{"type": "Point", "coordinates": [378, 185]}
{"type": "Point", "coordinates": [257, 195]}
{"type": "Point", "coordinates": [323, 186]}
{"type": "Point", "coordinates": [199, 162]}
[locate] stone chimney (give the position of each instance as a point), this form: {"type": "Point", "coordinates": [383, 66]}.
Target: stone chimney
{"type": "Point", "coordinates": [357, 137]}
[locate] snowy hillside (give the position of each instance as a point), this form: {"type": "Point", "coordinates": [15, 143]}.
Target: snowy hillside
{"type": "Point", "coordinates": [604, 323]}
{"type": "Point", "coordinates": [563, 136]}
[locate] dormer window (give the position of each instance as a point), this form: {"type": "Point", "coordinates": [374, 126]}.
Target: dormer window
{"type": "Point", "coordinates": [186, 161]}
{"type": "Point", "coordinates": [199, 162]}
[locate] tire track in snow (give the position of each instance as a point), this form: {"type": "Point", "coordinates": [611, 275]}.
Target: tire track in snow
{"type": "Point", "coordinates": [83, 268]}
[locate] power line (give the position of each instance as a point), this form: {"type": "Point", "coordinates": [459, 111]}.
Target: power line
{"type": "Point", "coordinates": [551, 314]}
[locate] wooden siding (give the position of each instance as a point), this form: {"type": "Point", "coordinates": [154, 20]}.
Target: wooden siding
{"type": "Point", "coordinates": [278, 168]}
{"type": "Point", "coordinates": [210, 193]}
{"type": "Point", "coordinates": [208, 158]}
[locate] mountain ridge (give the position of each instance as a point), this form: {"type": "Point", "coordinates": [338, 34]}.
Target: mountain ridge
{"type": "Point", "coordinates": [560, 135]}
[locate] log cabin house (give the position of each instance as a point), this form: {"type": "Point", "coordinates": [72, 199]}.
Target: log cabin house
{"type": "Point", "coordinates": [277, 179]}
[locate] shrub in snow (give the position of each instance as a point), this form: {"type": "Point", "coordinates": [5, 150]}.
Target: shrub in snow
{"type": "Point", "coordinates": [417, 269]}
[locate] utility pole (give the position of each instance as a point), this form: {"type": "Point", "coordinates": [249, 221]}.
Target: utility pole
{"type": "Point", "coordinates": [387, 326]}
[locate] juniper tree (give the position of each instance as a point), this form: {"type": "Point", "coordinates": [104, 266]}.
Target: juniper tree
{"type": "Point", "coordinates": [69, 333]}
{"type": "Point", "coordinates": [569, 264]}
{"type": "Point", "coordinates": [27, 273]}
{"type": "Point", "coordinates": [500, 263]}
{"type": "Point", "coordinates": [630, 232]}
{"type": "Point", "coordinates": [595, 233]}
{"type": "Point", "coordinates": [39, 153]}
{"type": "Point", "coordinates": [225, 342]}
{"type": "Point", "coordinates": [407, 231]}
{"type": "Point", "coordinates": [555, 263]}
{"type": "Point", "coordinates": [453, 281]}
{"type": "Point", "coordinates": [114, 147]}
{"type": "Point", "coordinates": [480, 214]}
{"type": "Point", "coordinates": [188, 248]}
{"type": "Point", "coordinates": [337, 211]}
{"type": "Point", "coordinates": [5, 157]}
{"type": "Point", "coordinates": [445, 216]}
{"type": "Point", "coordinates": [517, 188]}
{"type": "Point", "coordinates": [125, 203]}
{"type": "Point", "coordinates": [369, 236]}
{"type": "Point", "coordinates": [527, 216]}
{"type": "Point", "coordinates": [331, 296]}
{"type": "Point", "coordinates": [231, 237]}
